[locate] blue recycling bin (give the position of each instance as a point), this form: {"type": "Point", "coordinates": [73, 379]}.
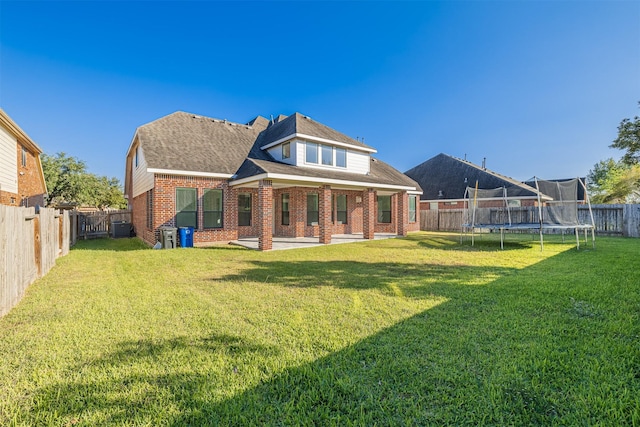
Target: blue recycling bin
{"type": "Point", "coordinates": [186, 237]}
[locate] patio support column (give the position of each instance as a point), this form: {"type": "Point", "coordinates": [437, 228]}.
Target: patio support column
{"type": "Point", "coordinates": [324, 214]}
{"type": "Point", "coordinates": [368, 213]}
{"type": "Point", "coordinates": [297, 209]}
{"type": "Point", "coordinates": [265, 215]}
{"type": "Point", "coordinates": [402, 216]}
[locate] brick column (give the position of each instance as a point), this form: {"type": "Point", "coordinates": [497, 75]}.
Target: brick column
{"type": "Point", "coordinates": [402, 214]}
{"type": "Point", "coordinates": [265, 215]}
{"type": "Point", "coordinates": [324, 214]}
{"type": "Point", "coordinates": [298, 211]}
{"type": "Point", "coordinates": [368, 213]}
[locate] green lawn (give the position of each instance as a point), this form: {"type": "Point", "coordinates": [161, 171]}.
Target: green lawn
{"type": "Point", "coordinates": [414, 331]}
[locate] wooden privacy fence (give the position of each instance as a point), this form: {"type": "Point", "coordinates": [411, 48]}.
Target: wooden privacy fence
{"type": "Point", "coordinates": [91, 225]}
{"type": "Point", "coordinates": [30, 243]}
{"type": "Point", "coordinates": [610, 220]}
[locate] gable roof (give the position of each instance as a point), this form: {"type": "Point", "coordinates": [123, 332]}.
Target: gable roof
{"type": "Point", "coordinates": [188, 142]}
{"type": "Point", "coordinates": [450, 176]}
{"type": "Point", "coordinates": [22, 137]}
{"type": "Point", "coordinates": [301, 125]}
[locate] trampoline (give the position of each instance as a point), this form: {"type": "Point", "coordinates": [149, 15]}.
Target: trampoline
{"type": "Point", "coordinates": [556, 209]}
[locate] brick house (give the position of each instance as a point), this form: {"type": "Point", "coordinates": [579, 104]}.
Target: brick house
{"type": "Point", "coordinates": [444, 180]}
{"type": "Point", "coordinates": [290, 176]}
{"type": "Point", "coordinates": [21, 178]}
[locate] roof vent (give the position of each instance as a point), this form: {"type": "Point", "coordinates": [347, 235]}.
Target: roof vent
{"type": "Point", "coordinates": [440, 194]}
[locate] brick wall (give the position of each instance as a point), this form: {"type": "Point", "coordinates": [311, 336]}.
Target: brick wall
{"type": "Point", "coordinates": [7, 198]}
{"type": "Point", "coordinates": [298, 213]}
{"type": "Point", "coordinates": [31, 188]}
{"type": "Point", "coordinates": [265, 215]}
{"type": "Point", "coordinates": [164, 203]}
{"type": "Point", "coordinates": [381, 227]}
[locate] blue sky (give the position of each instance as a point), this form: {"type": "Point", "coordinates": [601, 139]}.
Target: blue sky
{"type": "Point", "coordinates": [536, 87]}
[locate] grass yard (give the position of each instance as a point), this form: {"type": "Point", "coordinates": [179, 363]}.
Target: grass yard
{"type": "Point", "coordinates": [414, 331]}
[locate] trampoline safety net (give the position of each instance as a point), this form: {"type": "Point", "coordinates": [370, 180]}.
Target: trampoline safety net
{"type": "Point", "coordinates": [494, 209]}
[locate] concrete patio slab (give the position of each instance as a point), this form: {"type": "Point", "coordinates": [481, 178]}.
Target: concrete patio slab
{"type": "Point", "coordinates": [283, 243]}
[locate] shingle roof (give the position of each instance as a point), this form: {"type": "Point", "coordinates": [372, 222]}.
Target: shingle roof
{"type": "Point", "coordinates": [298, 123]}
{"type": "Point", "coordinates": [447, 174]}
{"type": "Point", "coordinates": [188, 142]}
{"type": "Point", "coordinates": [380, 172]}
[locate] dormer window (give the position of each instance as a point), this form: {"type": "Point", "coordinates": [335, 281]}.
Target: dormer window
{"type": "Point", "coordinates": [327, 155]}
{"type": "Point", "coordinates": [311, 153]}
{"type": "Point", "coordinates": [341, 157]}
{"type": "Point", "coordinates": [286, 150]}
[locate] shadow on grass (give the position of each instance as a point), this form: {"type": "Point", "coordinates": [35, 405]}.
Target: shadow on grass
{"type": "Point", "coordinates": [482, 242]}
{"type": "Point", "coordinates": [108, 244]}
{"type": "Point", "coordinates": [403, 280]}
{"type": "Point", "coordinates": [136, 376]}
{"type": "Point", "coordinates": [509, 353]}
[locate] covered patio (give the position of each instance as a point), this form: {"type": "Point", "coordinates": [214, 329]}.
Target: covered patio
{"type": "Point", "coordinates": [283, 243]}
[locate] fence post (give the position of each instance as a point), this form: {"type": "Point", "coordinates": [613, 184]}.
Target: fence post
{"type": "Point", "coordinates": [631, 220]}
{"type": "Point", "coordinates": [37, 245]}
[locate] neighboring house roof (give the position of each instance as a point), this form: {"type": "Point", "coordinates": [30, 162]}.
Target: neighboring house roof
{"type": "Point", "coordinates": [447, 177]}
{"type": "Point", "coordinates": [301, 125]}
{"type": "Point", "coordinates": [188, 142]}
{"type": "Point", "coordinates": [21, 135]}
{"type": "Point", "coordinates": [25, 141]}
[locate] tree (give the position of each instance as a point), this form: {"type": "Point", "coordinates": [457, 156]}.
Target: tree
{"type": "Point", "coordinates": [619, 182]}
{"type": "Point", "coordinates": [629, 139]}
{"type": "Point", "coordinates": [614, 182]}
{"type": "Point", "coordinates": [69, 182]}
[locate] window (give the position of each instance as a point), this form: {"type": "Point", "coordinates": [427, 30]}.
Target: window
{"type": "Point", "coordinates": [341, 157]}
{"type": "Point", "coordinates": [384, 209]}
{"type": "Point", "coordinates": [341, 208]}
{"type": "Point", "coordinates": [186, 207]}
{"type": "Point", "coordinates": [286, 150]}
{"type": "Point", "coordinates": [285, 209]}
{"type": "Point", "coordinates": [412, 208]}
{"type": "Point", "coordinates": [311, 153]}
{"type": "Point", "coordinates": [327, 155]}
{"type": "Point", "coordinates": [136, 156]}
{"type": "Point", "coordinates": [244, 209]}
{"type": "Point", "coordinates": [212, 208]}
{"type": "Point", "coordinates": [150, 209]}
{"type": "Point", "coordinates": [312, 209]}
{"type": "Point", "coordinates": [24, 156]}
{"type": "Point", "coordinates": [433, 206]}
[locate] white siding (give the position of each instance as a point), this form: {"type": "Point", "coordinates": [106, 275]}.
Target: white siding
{"type": "Point", "coordinates": [276, 153]}
{"type": "Point", "coordinates": [8, 162]}
{"type": "Point", "coordinates": [357, 161]}
{"type": "Point", "coordinates": [142, 181]}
